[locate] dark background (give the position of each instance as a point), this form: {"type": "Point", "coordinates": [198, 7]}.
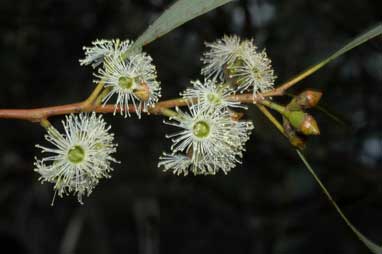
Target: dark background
{"type": "Point", "coordinates": [269, 204]}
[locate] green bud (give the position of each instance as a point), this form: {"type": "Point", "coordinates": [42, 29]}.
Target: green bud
{"type": "Point", "coordinates": [309, 98]}
{"type": "Point", "coordinates": [306, 99]}
{"type": "Point", "coordinates": [303, 122]}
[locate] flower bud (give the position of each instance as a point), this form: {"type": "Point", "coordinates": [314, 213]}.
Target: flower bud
{"type": "Point", "coordinates": [309, 126]}
{"type": "Point", "coordinates": [309, 98]}
{"type": "Point", "coordinates": [296, 141]}
{"type": "Point", "coordinates": [142, 91]}
{"type": "Point", "coordinates": [293, 137]}
{"type": "Point", "coordinates": [303, 122]}
{"type": "Point", "coordinates": [236, 116]}
{"type": "Point", "coordinates": [306, 99]}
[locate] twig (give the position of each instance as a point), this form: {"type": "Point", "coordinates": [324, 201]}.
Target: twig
{"type": "Point", "coordinates": [271, 118]}
{"type": "Point", "coordinates": [39, 114]}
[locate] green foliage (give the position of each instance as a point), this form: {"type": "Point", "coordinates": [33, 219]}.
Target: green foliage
{"type": "Point", "coordinates": [374, 248]}
{"type": "Point", "coordinates": [179, 13]}
{"type": "Point", "coordinates": [368, 35]}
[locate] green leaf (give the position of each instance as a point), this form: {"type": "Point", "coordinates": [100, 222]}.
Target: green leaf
{"type": "Point", "coordinates": [334, 116]}
{"type": "Point", "coordinates": [178, 14]}
{"type": "Point", "coordinates": [370, 34]}
{"type": "Point", "coordinates": [374, 248]}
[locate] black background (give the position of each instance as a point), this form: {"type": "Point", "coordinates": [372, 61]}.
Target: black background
{"type": "Point", "coordinates": [269, 204]}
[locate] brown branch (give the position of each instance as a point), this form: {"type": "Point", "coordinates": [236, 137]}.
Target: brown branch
{"type": "Point", "coordinates": [39, 114]}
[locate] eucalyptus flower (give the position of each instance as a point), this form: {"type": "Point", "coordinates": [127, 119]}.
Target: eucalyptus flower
{"type": "Point", "coordinates": [220, 53]}
{"type": "Point", "coordinates": [240, 63]}
{"type": "Point", "coordinates": [133, 80]}
{"type": "Point", "coordinates": [210, 94]}
{"type": "Point", "coordinates": [79, 158]}
{"type": "Point", "coordinates": [210, 140]}
{"type": "Point", "coordinates": [254, 73]}
{"type": "Point", "coordinates": [96, 54]}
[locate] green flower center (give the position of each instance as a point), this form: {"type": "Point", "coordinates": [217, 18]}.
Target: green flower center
{"type": "Point", "coordinates": [232, 67]}
{"type": "Point", "coordinates": [76, 154]}
{"type": "Point", "coordinates": [201, 129]}
{"type": "Point", "coordinates": [213, 98]}
{"type": "Point", "coordinates": [126, 82]}
{"type": "Point", "coordinates": [257, 73]}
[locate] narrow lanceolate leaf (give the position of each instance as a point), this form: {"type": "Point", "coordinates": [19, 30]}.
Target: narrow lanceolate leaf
{"type": "Point", "coordinates": [178, 14]}
{"type": "Point", "coordinates": [374, 248]}
{"type": "Point", "coordinates": [370, 34]}
{"type": "Point", "coordinates": [335, 117]}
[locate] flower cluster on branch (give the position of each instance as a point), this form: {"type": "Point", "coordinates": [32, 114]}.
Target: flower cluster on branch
{"type": "Point", "coordinates": [212, 135]}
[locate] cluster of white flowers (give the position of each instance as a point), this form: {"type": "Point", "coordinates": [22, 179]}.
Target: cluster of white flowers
{"type": "Point", "coordinates": [239, 62]}
{"type": "Point", "coordinates": [132, 77]}
{"type": "Point", "coordinates": [80, 157]}
{"type": "Point", "coordinates": [211, 138]}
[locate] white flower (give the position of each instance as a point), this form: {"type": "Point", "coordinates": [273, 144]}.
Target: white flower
{"type": "Point", "coordinates": [133, 81]}
{"type": "Point", "coordinates": [239, 62]}
{"type": "Point", "coordinates": [220, 53]}
{"type": "Point", "coordinates": [254, 73]}
{"type": "Point", "coordinates": [80, 157]}
{"type": "Point", "coordinates": [96, 54]}
{"type": "Point", "coordinates": [211, 95]}
{"type": "Point", "coordinates": [210, 140]}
